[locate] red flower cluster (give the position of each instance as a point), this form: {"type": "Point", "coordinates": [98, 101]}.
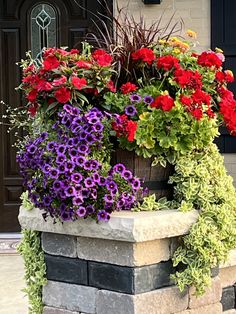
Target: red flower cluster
{"type": "Point", "coordinates": [228, 109]}
{"type": "Point", "coordinates": [209, 59]}
{"type": "Point", "coordinates": [164, 102]}
{"type": "Point", "coordinates": [188, 78]}
{"type": "Point", "coordinates": [124, 127]}
{"type": "Point", "coordinates": [168, 62]}
{"type": "Point", "coordinates": [128, 88]}
{"type": "Point", "coordinates": [195, 104]}
{"type": "Point", "coordinates": [102, 57]}
{"type": "Point", "coordinates": [224, 77]}
{"type": "Point", "coordinates": [144, 54]}
{"type": "Point", "coordinates": [63, 85]}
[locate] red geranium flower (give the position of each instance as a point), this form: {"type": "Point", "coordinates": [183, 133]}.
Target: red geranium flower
{"type": "Point", "coordinates": [209, 59]}
{"type": "Point", "coordinates": [32, 95]}
{"type": "Point", "coordinates": [168, 62]}
{"type": "Point", "coordinates": [144, 54]}
{"type": "Point", "coordinates": [128, 88]}
{"type": "Point", "coordinates": [102, 57]}
{"type": "Point", "coordinates": [229, 77]}
{"type": "Point", "coordinates": [131, 128]}
{"type": "Point", "coordinates": [185, 100]}
{"type": "Point", "coordinates": [201, 97]}
{"type": "Point", "coordinates": [197, 113]}
{"type": "Point", "coordinates": [220, 77]}
{"type": "Point", "coordinates": [62, 95]}
{"type": "Point", "coordinates": [50, 63]}
{"type": "Point", "coordinates": [164, 102]}
{"type": "Point", "coordinates": [78, 83]}
{"type": "Point", "coordinates": [188, 78]}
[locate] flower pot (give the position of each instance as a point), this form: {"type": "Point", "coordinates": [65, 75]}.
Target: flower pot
{"type": "Point", "coordinates": [155, 178]}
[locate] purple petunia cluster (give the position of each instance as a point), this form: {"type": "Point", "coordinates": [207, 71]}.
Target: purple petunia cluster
{"type": "Point", "coordinates": [131, 110]}
{"type": "Point", "coordinates": [65, 179]}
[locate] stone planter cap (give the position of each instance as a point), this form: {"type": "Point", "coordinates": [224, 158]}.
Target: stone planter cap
{"type": "Point", "coordinates": [123, 226]}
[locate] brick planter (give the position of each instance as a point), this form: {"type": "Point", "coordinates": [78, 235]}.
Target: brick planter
{"type": "Point", "coordinates": [123, 266]}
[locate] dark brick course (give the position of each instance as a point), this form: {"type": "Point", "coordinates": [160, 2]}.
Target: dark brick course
{"type": "Point", "coordinates": [71, 270]}
{"type": "Point", "coordinates": [228, 298]}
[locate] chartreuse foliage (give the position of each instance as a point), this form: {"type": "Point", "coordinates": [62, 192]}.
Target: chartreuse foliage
{"type": "Point", "coordinates": [201, 182]}
{"type": "Point", "coordinates": [35, 269]}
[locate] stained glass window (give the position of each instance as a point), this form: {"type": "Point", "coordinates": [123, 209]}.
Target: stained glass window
{"type": "Point", "coordinates": [43, 28]}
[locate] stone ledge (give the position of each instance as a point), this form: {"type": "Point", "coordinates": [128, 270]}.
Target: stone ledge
{"type": "Point", "coordinates": [123, 226]}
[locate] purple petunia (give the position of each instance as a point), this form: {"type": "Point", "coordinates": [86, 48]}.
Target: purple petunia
{"type": "Point", "coordinates": [76, 177]}
{"type": "Point", "coordinates": [102, 215]}
{"type": "Point", "coordinates": [81, 211]}
{"type": "Point", "coordinates": [130, 111]}
{"type": "Point", "coordinates": [135, 98]}
{"type": "Point", "coordinates": [148, 100]}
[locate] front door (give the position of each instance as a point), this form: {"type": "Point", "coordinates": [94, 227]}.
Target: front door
{"type": "Point", "coordinates": [30, 25]}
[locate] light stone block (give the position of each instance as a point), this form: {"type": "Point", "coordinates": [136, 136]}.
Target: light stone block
{"type": "Point", "coordinates": [114, 303]}
{"type": "Point", "coordinates": [231, 260]}
{"type": "Point", "coordinates": [123, 226]}
{"type": "Point", "coordinates": [70, 297]}
{"type": "Point", "coordinates": [59, 244]}
{"type": "Point", "coordinates": [53, 310]}
{"type": "Point", "coordinates": [212, 295]}
{"type": "Point", "coordinates": [123, 253]}
{"type": "Point", "coordinates": [233, 311]}
{"type": "Point", "coordinates": [227, 276]}
{"type": "Point", "coordinates": [161, 301]}
{"type": "Point", "coordinates": [208, 309]}
{"type": "Point", "coordinates": [166, 300]}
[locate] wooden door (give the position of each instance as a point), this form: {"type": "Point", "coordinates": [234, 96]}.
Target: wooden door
{"type": "Point", "coordinates": [223, 35]}
{"type": "Point", "coordinates": [30, 25]}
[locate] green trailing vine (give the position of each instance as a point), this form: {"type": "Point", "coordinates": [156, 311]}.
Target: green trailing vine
{"type": "Point", "coordinates": [201, 182]}
{"type": "Point", "coordinates": [35, 269]}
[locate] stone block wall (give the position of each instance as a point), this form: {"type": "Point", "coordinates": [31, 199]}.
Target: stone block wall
{"type": "Point", "coordinates": [196, 15]}
{"type": "Point", "coordinates": [124, 267]}
{"type": "Point", "coordinates": [230, 164]}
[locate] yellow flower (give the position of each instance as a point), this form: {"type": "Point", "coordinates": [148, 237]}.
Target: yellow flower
{"type": "Point", "coordinates": [219, 50]}
{"type": "Point", "coordinates": [143, 115]}
{"type": "Point", "coordinates": [191, 33]}
{"type": "Point", "coordinates": [176, 50]}
{"type": "Point", "coordinates": [162, 41]}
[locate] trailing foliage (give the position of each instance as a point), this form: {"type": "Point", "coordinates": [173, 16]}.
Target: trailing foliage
{"type": "Point", "coordinates": [201, 183]}
{"type": "Point", "coordinates": [35, 269]}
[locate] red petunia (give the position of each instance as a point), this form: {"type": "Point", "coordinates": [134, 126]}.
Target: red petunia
{"type": "Point", "coordinates": [144, 54]}
{"type": "Point", "coordinates": [209, 59]}
{"type": "Point", "coordinates": [32, 95]}
{"type": "Point", "coordinates": [78, 83]}
{"type": "Point", "coordinates": [164, 102]}
{"type": "Point", "coordinates": [50, 63]}
{"type": "Point", "coordinates": [83, 64]}
{"type": "Point", "coordinates": [62, 95]}
{"type": "Point", "coordinates": [131, 128]}
{"type": "Point", "coordinates": [167, 62]}
{"type": "Point", "coordinates": [102, 57]}
{"type": "Point", "coordinates": [128, 88]}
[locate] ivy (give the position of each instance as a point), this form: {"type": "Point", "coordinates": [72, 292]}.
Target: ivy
{"type": "Point", "coordinates": [35, 269]}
